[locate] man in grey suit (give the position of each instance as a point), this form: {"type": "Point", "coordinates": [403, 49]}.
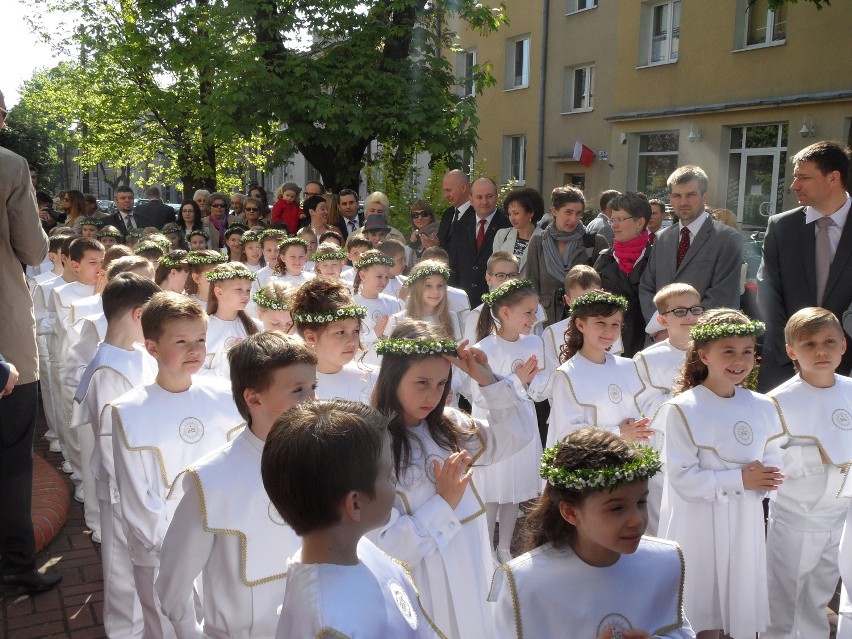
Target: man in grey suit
{"type": "Point", "coordinates": [807, 255]}
{"type": "Point", "coordinates": [697, 250]}
{"type": "Point", "coordinates": [601, 224]}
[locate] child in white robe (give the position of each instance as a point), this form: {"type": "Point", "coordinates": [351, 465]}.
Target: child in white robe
{"type": "Point", "coordinates": [292, 260]}
{"type": "Point", "coordinates": [197, 286]}
{"type": "Point", "coordinates": [269, 248]}
{"type": "Point", "coordinates": [161, 428]}
{"type": "Point", "coordinates": [328, 260]}
{"type": "Point", "coordinates": [456, 298]}
{"type": "Point", "coordinates": [679, 307]}
{"type": "Point", "coordinates": [173, 271]}
{"type": "Point", "coordinates": [118, 365]}
{"type": "Point", "coordinates": [437, 525]}
{"type": "Point", "coordinates": [398, 252]}
{"type": "Point", "coordinates": [273, 304]}
{"type": "Point", "coordinates": [328, 319]}
{"type": "Point", "coordinates": [372, 273]}
{"type": "Point", "coordinates": [427, 299]}
{"type": "Point", "coordinates": [807, 514]}
{"type": "Point", "coordinates": [589, 571]}
{"type": "Point", "coordinates": [338, 583]}
{"type": "Point", "coordinates": [593, 387]}
{"type": "Point", "coordinates": [504, 334]}
{"type": "Point", "coordinates": [252, 250]}
{"type": "Point", "coordinates": [722, 459]}
{"type": "Point", "coordinates": [225, 529]}
{"type": "Point", "coordinates": [228, 323]}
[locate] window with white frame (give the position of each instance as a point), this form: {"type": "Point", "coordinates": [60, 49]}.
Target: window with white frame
{"type": "Point", "coordinates": [580, 5]}
{"type": "Point", "coordinates": [759, 25]}
{"type": "Point", "coordinates": [514, 158]}
{"type": "Point", "coordinates": [658, 157]}
{"type": "Point", "coordinates": [579, 88]}
{"type": "Point", "coordinates": [659, 39]}
{"type": "Point", "coordinates": [465, 62]}
{"type": "Point", "coordinates": [518, 62]}
{"type": "Point", "coordinates": [756, 162]}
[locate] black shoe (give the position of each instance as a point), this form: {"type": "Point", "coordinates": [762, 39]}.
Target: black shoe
{"type": "Point", "coordinates": [32, 581]}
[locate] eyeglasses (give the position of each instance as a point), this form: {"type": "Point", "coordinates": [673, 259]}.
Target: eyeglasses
{"type": "Point", "coordinates": [619, 220]}
{"type": "Point", "coordinates": [220, 205]}
{"type": "Point", "coordinates": [502, 277]}
{"type": "Point", "coordinates": [418, 214]}
{"type": "Point", "coordinates": [251, 210]}
{"type": "Point", "coordinates": [681, 311]}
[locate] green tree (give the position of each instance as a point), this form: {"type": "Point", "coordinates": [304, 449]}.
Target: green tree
{"type": "Point", "coordinates": [31, 139]}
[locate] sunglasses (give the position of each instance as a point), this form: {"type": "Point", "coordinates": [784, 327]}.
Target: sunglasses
{"type": "Point", "coordinates": [220, 205]}
{"type": "Point", "coordinates": [252, 210]}
{"type": "Point", "coordinates": [682, 312]}
{"type": "Point", "coordinates": [419, 214]}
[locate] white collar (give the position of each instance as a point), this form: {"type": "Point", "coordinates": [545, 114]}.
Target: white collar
{"type": "Point", "coordinates": [696, 224]}
{"type": "Point", "coordinates": [839, 216]}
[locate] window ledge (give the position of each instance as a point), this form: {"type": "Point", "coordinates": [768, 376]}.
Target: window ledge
{"type": "Point", "coordinates": [573, 13]}
{"type": "Point", "coordinates": [520, 86]}
{"type": "Point", "coordinates": [573, 111]}
{"type": "Point", "coordinates": [765, 45]}
{"type": "Point", "coordinates": [655, 64]}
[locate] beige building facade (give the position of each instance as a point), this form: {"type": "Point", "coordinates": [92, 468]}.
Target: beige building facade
{"type": "Point", "coordinates": [654, 84]}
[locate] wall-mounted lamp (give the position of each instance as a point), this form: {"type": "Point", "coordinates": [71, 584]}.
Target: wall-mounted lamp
{"type": "Point", "coordinates": [623, 138]}
{"type": "Point", "coordinates": [694, 133]}
{"type": "Point", "coordinates": [808, 129]}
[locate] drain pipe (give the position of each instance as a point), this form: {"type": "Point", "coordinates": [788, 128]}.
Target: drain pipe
{"type": "Point", "coordinates": [541, 95]}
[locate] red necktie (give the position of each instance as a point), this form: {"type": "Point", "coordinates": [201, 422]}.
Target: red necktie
{"type": "Point", "coordinates": [683, 247]}
{"type": "Point", "coordinates": [652, 237]}
{"type": "Point", "coordinates": [480, 235]}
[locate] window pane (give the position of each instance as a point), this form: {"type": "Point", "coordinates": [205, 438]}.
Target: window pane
{"type": "Point", "coordinates": [736, 138]}
{"type": "Point", "coordinates": [761, 137]}
{"type": "Point", "coordinates": [579, 101]}
{"type": "Point", "coordinates": [732, 201]}
{"type": "Point", "coordinates": [779, 25]}
{"type": "Point", "coordinates": [757, 16]}
{"type": "Point", "coordinates": [590, 89]}
{"type": "Point", "coordinates": [658, 143]}
{"type": "Point", "coordinates": [654, 170]}
{"type": "Point", "coordinates": [519, 62]}
{"type": "Point", "coordinates": [783, 136]}
{"type": "Point", "coordinates": [675, 30]}
{"type": "Point", "coordinates": [659, 33]}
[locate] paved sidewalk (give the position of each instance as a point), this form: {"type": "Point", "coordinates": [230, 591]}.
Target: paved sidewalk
{"type": "Point", "coordinates": [74, 609]}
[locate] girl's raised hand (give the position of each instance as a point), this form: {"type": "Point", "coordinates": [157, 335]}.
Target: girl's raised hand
{"type": "Point", "coordinates": [381, 325]}
{"type": "Point", "coordinates": [452, 478]}
{"type": "Point", "coordinates": [527, 370]}
{"type": "Point", "coordinates": [756, 476]}
{"type": "Point", "coordinates": [636, 429]}
{"type": "Point", "coordinates": [474, 363]}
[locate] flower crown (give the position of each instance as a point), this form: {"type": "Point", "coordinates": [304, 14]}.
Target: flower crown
{"type": "Point", "coordinates": [200, 232]}
{"type": "Point", "coordinates": [585, 480]}
{"type": "Point", "coordinates": [163, 243]}
{"type": "Point", "coordinates": [170, 262]}
{"type": "Point", "coordinates": [250, 236]}
{"type": "Point", "coordinates": [291, 241]}
{"type": "Point", "coordinates": [599, 297]}
{"type": "Point", "coordinates": [92, 221]}
{"type": "Point", "coordinates": [707, 332]}
{"type": "Point", "coordinates": [235, 228]}
{"type": "Point", "coordinates": [328, 256]}
{"type": "Point", "coordinates": [426, 271]}
{"type": "Point", "coordinates": [220, 275]}
{"type": "Point", "coordinates": [171, 227]}
{"type": "Point", "coordinates": [504, 289]}
{"type": "Point", "coordinates": [148, 245]}
{"type": "Point", "coordinates": [393, 346]}
{"type": "Point", "coordinates": [326, 317]}
{"type": "Point", "coordinates": [264, 301]}
{"type": "Point", "coordinates": [110, 233]}
{"type": "Point", "coordinates": [194, 258]}
{"type": "Point", "coordinates": [375, 260]}
{"type": "Point", "coordinates": [277, 234]}
{"type": "Point", "coordinates": [135, 232]}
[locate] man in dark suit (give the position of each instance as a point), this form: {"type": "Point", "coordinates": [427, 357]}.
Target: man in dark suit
{"type": "Point", "coordinates": [807, 255]}
{"type": "Point", "coordinates": [350, 219]}
{"type": "Point", "coordinates": [473, 240]}
{"type": "Point", "coordinates": [697, 250]}
{"type": "Point", "coordinates": [158, 214]}
{"type": "Point", "coordinates": [125, 217]}
{"type": "Point", "coordinates": [456, 189]}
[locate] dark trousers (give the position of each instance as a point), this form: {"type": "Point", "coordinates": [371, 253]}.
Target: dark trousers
{"type": "Point", "coordinates": [17, 429]}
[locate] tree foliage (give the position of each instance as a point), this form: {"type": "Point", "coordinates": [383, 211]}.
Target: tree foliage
{"type": "Point", "coordinates": [777, 4]}
{"type": "Point", "coordinates": [197, 89]}
{"type": "Point", "coordinates": [35, 141]}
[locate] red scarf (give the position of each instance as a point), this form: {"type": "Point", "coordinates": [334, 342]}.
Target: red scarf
{"type": "Point", "coordinates": [628, 252]}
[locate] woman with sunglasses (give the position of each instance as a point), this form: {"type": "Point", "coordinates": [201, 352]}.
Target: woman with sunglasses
{"type": "Point", "coordinates": [251, 213]}
{"type": "Point", "coordinates": [621, 266]}
{"type": "Point", "coordinates": [525, 207]}
{"type": "Point", "coordinates": [422, 215]}
{"type": "Point", "coordinates": [216, 213]}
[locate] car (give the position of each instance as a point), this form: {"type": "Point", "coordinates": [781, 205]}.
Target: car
{"type": "Point", "coordinates": [106, 206]}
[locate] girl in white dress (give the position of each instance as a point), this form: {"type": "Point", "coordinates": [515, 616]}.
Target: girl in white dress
{"type": "Point", "coordinates": [273, 303]}
{"type": "Point", "coordinates": [722, 455]}
{"type": "Point", "coordinates": [372, 273]}
{"type": "Point", "coordinates": [233, 242]}
{"type": "Point", "coordinates": [592, 387]}
{"type": "Point", "coordinates": [269, 248]}
{"type": "Point", "coordinates": [328, 260]}
{"type": "Point", "coordinates": [427, 299]}
{"type": "Point", "coordinates": [504, 333]}
{"type": "Point", "coordinates": [589, 571]}
{"type": "Point", "coordinates": [197, 286]}
{"type": "Point", "coordinates": [252, 251]}
{"type": "Point", "coordinates": [228, 323]}
{"type": "Point", "coordinates": [290, 267]}
{"type": "Point", "coordinates": [172, 271]}
{"type": "Point", "coordinates": [437, 525]}
{"type": "Point", "coordinates": [328, 319]}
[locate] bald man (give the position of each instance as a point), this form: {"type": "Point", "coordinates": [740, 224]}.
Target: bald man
{"type": "Point", "coordinates": [456, 190]}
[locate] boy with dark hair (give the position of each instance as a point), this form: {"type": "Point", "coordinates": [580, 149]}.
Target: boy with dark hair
{"type": "Point", "coordinates": [399, 253]}
{"type": "Point", "coordinates": [225, 529]}
{"type": "Point", "coordinates": [356, 246]}
{"type": "Point", "coordinates": [339, 583]}
{"type": "Point", "coordinates": [158, 430]}
{"type": "Point", "coordinates": [120, 363]}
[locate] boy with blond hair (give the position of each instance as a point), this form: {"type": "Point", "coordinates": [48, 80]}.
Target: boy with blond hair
{"type": "Point", "coordinates": [161, 428]}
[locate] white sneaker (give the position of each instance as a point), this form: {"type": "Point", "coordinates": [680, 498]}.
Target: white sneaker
{"type": "Point", "coordinates": [96, 536]}
{"type": "Point", "coordinates": [504, 555]}
{"type": "Point", "coordinates": [55, 446]}
{"type": "Point", "coordinates": [78, 493]}
{"type": "Point", "coordinates": [50, 434]}
{"type": "Point", "coordinates": [66, 468]}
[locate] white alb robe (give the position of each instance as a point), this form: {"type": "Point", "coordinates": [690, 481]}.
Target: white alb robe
{"type": "Point", "coordinates": [376, 308]}
{"type": "Point", "coordinates": [398, 318]}
{"type": "Point", "coordinates": [222, 335]}
{"type": "Point", "coordinates": [353, 382]}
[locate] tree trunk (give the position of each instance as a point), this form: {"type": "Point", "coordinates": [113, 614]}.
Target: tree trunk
{"type": "Point", "coordinates": [340, 167]}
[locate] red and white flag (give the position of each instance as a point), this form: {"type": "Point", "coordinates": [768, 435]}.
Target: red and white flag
{"type": "Point", "coordinates": [583, 154]}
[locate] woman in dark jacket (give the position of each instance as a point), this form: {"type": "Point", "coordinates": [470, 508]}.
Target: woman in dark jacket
{"type": "Point", "coordinates": [621, 266]}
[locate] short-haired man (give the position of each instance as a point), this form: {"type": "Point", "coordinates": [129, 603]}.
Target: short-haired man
{"type": "Point", "coordinates": [314, 187]}
{"type": "Point", "coordinates": [698, 250]}
{"type": "Point", "coordinates": [601, 224]}
{"type": "Point", "coordinates": [456, 190]}
{"type": "Point", "coordinates": [236, 212]}
{"type": "Point", "coordinates": [807, 255]}
{"type": "Point", "coordinates": [158, 213]}
{"type": "Point", "coordinates": [473, 240]}
{"type": "Point", "coordinates": [350, 218]}
{"type": "Point", "coordinates": [125, 218]}
{"type": "Point", "coordinates": [658, 214]}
